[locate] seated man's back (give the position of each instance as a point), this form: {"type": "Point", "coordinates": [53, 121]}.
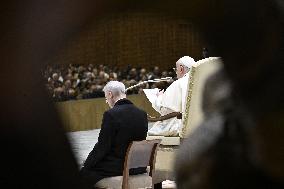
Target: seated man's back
{"type": "Point", "coordinates": [121, 125]}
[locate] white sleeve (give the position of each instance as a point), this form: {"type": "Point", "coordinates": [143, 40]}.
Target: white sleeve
{"type": "Point", "coordinates": [170, 100]}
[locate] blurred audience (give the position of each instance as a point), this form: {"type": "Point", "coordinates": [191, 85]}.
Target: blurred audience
{"type": "Point", "coordinates": [72, 82]}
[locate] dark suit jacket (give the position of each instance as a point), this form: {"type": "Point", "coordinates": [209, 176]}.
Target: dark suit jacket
{"type": "Point", "coordinates": [121, 125]}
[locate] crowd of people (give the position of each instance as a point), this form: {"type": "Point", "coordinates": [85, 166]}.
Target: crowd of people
{"type": "Point", "coordinates": [72, 82]}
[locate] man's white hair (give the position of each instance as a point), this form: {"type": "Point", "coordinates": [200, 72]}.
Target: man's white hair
{"type": "Point", "coordinates": [115, 87]}
{"type": "Point", "coordinates": [186, 61]}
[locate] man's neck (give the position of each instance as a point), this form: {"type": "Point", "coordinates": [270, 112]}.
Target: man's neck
{"type": "Point", "coordinates": [119, 98]}
{"type": "Point", "coordinates": [183, 75]}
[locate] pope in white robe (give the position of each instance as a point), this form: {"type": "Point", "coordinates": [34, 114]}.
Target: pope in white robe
{"type": "Point", "coordinates": [172, 100]}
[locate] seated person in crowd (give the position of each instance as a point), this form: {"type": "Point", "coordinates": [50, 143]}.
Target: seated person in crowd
{"type": "Point", "coordinates": [172, 100]}
{"type": "Point", "coordinates": [121, 125]}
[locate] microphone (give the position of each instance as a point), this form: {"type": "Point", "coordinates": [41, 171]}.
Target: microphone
{"type": "Point", "coordinates": [149, 81]}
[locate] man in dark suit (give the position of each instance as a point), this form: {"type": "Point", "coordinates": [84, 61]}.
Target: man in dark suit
{"type": "Point", "coordinates": [121, 125]}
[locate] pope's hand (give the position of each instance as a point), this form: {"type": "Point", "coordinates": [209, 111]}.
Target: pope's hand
{"type": "Point", "coordinates": [160, 92]}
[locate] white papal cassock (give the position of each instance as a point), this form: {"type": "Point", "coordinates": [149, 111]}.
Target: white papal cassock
{"type": "Point", "coordinates": [172, 100]}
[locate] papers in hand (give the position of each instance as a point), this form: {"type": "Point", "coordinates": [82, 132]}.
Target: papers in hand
{"type": "Point", "coordinates": [151, 94]}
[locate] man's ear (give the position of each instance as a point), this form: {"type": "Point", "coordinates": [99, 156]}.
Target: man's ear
{"type": "Point", "coordinates": [182, 68]}
{"type": "Point", "coordinates": [110, 94]}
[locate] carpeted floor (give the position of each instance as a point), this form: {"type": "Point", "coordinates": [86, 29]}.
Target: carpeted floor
{"type": "Point", "coordinates": [82, 143]}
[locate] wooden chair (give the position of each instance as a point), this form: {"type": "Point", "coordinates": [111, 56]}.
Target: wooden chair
{"type": "Point", "coordinates": [139, 154]}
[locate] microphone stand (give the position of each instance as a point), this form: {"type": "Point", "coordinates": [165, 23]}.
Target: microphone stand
{"type": "Point", "coordinates": [149, 81]}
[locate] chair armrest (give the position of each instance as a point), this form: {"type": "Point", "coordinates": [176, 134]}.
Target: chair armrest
{"type": "Point", "coordinates": [165, 117]}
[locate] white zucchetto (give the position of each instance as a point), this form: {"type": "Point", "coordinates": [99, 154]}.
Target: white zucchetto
{"type": "Point", "coordinates": [187, 61]}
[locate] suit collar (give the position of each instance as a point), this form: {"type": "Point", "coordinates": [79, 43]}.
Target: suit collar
{"type": "Point", "coordinates": [123, 101]}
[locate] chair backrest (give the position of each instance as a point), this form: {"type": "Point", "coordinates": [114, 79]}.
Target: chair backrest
{"type": "Point", "coordinates": [193, 114]}
{"type": "Point", "coordinates": [140, 154]}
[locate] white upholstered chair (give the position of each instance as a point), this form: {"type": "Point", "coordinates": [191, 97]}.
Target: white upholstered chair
{"type": "Point", "coordinates": [191, 118]}
{"type": "Point", "coordinates": [139, 154]}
